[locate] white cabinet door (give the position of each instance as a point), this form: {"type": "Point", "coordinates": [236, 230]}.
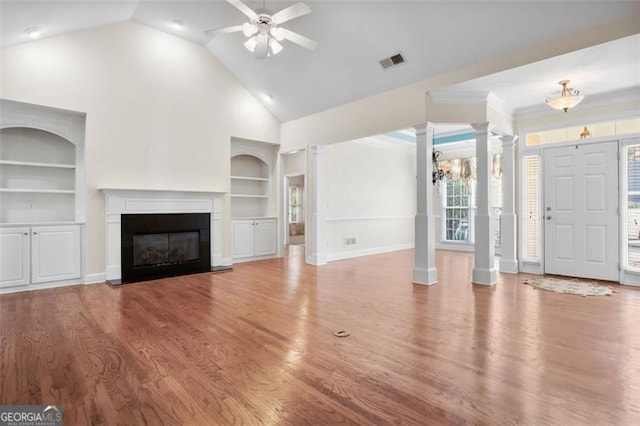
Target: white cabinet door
{"type": "Point", "coordinates": [55, 253]}
{"type": "Point", "coordinates": [265, 237]}
{"type": "Point", "coordinates": [14, 256]}
{"type": "Point", "coordinates": [242, 238]}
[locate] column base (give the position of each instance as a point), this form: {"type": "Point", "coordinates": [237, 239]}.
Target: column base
{"type": "Point", "coordinates": [316, 260]}
{"type": "Point", "coordinates": [508, 266]}
{"type": "Point", "coordinates": [425, 276]}
{"type": "Point", "coordinates": [484, 276]}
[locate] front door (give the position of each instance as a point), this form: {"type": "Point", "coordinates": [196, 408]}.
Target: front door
{"type": "Point", "coordinates": [581, 211]}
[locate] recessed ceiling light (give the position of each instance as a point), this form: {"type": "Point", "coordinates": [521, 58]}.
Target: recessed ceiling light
{"type": "Point", "coordinates": [267, 97]}
{"type": "Point", "coordinates": [177, 24]}
{"type": "Point", "coordinates": [33, 32]}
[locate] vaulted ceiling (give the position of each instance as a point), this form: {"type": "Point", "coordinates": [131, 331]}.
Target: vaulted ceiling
{"type": "Point", "coordinates": [435, 36]}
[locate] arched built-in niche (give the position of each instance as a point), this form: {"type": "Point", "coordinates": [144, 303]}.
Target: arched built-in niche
{"type": "Point", "coordinates": [37, 176]}
{"type": "Point", "coordinates": [249, 186]}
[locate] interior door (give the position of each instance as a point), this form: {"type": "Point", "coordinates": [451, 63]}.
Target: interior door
{"type": "Point", "coordinates": [581, 211]}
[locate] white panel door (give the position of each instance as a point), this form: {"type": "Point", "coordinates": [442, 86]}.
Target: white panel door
{"type": "Point", "coordinates": [55, 253]}
{"type": "Point", "coordinates": [265, 237]}
{"type": "Point", "coordinates": [14, 256]}
{"type": "Point", "coordinates": [581, 211]}
{"type": "Point", "coordinates": [242, 231]}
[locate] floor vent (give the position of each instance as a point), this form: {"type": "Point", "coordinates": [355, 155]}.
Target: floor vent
{"type": "Point", "coordinates": [392, 61]}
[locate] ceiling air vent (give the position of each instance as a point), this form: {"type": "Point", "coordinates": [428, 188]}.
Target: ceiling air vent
{"type": "Point", "coordinates": [392, 61]}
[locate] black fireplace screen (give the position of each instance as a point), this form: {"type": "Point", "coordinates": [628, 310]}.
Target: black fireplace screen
{"type": "Point", "coordinates": [158, 249]}
{"type": "Point", "coordinates": [164, 245]}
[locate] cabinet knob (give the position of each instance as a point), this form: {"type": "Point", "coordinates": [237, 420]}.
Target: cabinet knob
{"type": "Point", "coordinates": [26, 233]}
{"type": "Point", "coordinates": [35, 233]}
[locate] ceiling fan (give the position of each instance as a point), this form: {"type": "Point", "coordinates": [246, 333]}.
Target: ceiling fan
{"type": "Point", "coordinates": [263, 30]}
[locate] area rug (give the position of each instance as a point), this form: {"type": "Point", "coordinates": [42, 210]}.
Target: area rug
{"type": "Point", "coordinates": [568, 286]}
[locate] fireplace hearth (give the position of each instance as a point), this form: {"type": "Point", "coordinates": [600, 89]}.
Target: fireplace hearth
{"type": "Point", "coordinates": [164, 245]}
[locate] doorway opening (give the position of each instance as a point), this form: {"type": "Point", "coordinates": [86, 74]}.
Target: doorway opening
{"type": "Point", "coordinates": [295, 210]}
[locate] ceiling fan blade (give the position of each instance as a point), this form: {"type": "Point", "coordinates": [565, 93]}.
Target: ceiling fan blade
{"type": "Point", "coordinates": [244, 9]}
{"type": "Point", "coordinates": [298, 9]}
{"type": "Point", "coordinates": [220, 31]}
{"type": "Point", "coordinates": [298, 39]}
{"type": "Point", "coordinates": [262, 48]}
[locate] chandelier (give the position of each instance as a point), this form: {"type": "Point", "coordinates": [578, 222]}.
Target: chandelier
{"type": "Point", "coordinates": [567, 99]}
{"type": "Point", "coordinates": [439, 172]}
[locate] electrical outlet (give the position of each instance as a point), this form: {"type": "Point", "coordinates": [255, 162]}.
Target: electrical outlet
{"type": "Point", "coordinates": [349, 241]}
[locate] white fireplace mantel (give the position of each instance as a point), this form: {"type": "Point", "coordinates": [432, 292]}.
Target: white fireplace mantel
{"type": "Point", "coordinates": [119, 201]}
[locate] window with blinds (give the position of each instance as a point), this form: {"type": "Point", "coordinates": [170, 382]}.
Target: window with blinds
{"type": "Point", "coordinates": [531, 208]}
{"type": "Point", "coordinates": [633, 206]}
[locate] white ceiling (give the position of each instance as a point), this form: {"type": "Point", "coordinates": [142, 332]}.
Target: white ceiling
{"type": "Point", "coordinates": [435, 37]}
{"type": "Point", "coordinates": [609, 69]}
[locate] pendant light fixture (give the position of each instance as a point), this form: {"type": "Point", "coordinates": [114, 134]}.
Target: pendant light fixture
{"type": "Point", "coordinates": [567, 99]}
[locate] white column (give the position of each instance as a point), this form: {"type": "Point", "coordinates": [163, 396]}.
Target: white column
{"type": "Point", "coordinates": [484, 271]}
{"type": "Point", "coordinates": [316, 203]}
{"type": "Point", "coordinates": [424, 271]}
{"type": "Point", "coordinates": [508, 233]}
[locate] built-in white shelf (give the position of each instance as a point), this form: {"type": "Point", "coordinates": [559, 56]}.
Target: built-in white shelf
{"type": "Point", "coordinates": [259, 179]}
{"type": "Point", "coordinates": [248, 196]}
{"type": "Point", "coordinates": [38, 191]}
{"type": "Point", "coordinates": [35, 164]}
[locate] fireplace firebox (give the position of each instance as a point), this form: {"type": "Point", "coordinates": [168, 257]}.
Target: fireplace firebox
{"type": "Point", "coordinates": [164, 245]}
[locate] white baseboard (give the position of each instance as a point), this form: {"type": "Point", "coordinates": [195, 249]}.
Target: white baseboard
{"type": "Point", "coordinates": [508, 266]}
{"type": "Point", "coordinates": [251, 259]}
{"type": "Point", "coordinates": [227, 261]}
{"type": "Point", "coordinates": [31, 287]}
{"type": "Point", "coordinates": [630, 278]}
{"type": "Point", "coordinates": [316, 260]}
{"type": "Point", "coordinates": [366, 252]}
{"type": "Point", "coordinates": [100, 277]}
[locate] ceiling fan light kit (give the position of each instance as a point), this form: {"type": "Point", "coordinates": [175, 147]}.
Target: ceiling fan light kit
{"type": "Point", "coordinates": [263, 30]}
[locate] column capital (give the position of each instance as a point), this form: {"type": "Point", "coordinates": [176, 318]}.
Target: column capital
{"type": "Point", "coordinates": [423, 127]}
{"type": "Point", "coordinates": [481, 128]}
{"type": "Point", "coordinates": [508, 140]}
{"type": "Point", "coordinates": [316, 150]}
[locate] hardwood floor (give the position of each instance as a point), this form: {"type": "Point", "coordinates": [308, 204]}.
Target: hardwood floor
{"type": "Point", "coordinates": [255, 346]}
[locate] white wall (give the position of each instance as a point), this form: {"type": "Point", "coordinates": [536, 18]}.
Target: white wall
{"type": "Point", "coordinates": [371, 195]}
{"type": "Point", "coordinates": [160, 111]}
